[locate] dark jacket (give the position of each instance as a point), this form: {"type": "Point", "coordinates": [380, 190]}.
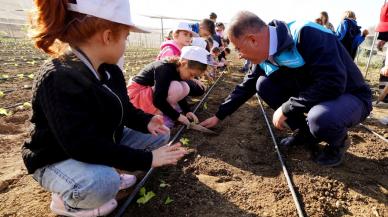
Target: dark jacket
{"type": "Point", "coordinates": [328, 72]}
{"type": "Point", "coordinates": [77, 116]}
{"type": "Point", "coordinates": [159, 75]}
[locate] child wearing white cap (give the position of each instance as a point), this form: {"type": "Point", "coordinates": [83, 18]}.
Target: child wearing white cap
{"type": "Point", "coordinates": [161, 86]}
{"type": "Point", "coordinates": [84, 124]}
{"type": "Point", "coordinates": [182, 36]}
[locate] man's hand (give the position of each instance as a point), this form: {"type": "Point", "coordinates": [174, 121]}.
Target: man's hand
{"type": "Point", "coordinates": [156, 126]}
{"type": "Point", "coordinates": [279, 119]}
{"type": "Point", "coordinates": [210, 122]}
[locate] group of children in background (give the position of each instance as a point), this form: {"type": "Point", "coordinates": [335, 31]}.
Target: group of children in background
{"type": "Point", "coordinates": [162, 86]}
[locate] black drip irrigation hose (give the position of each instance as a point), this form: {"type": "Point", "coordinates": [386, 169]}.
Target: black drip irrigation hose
{"type": "Point", "coordinates": [133, 194]}
{"type": "Point", "coordinates": [374, 133]}
{"type": "Point", "coordinates": [301, 212]}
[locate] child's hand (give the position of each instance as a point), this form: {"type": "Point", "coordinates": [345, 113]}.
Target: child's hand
{"type": "Point", "coordinates": [192, 117]}
{"type": "Point", "coordinates": [184, 120]}
{"type": "Point", "coordinates": [156, 126]}
{"type": "Point", "coordinates": [166, 155]}
{"type": "Point", "coordinates": [200, 84]}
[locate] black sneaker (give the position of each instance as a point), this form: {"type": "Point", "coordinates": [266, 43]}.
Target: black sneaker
{"type": "Point", "coordinates": [300, 137]}
{"type": "Point", "coordinates": [332, 156]}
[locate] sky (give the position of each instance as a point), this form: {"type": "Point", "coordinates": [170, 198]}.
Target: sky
{"type": "Point", "coordinates": [367, 11]}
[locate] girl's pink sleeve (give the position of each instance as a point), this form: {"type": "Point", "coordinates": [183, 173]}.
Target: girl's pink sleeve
{"type": "Point", "coordinates": [166, 52]}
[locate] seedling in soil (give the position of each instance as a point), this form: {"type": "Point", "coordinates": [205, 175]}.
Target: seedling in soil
{"type": "Point", "coordinates": [31, 76]}
{"type": "Point", "coordinates": [27, 105]}
{"type": "Point", "coordinates": [205, 106]}
{"type": "Point", "coordinates": [185, 141]}
{"type": "Point", "coordinates": [2, 94]}
{"type": "Point", "coordinates": [163, 184]}
{"type": "Point", "coordinates": [168, 201]}
{"type": "Point", "coordinates": [4, 76]}
{"type": "Point", "coordinates": [20, 76]}
{"type": "Point", "coordinates": [4, 112]}
{"type": "Point", "coordinates": [145, 196]}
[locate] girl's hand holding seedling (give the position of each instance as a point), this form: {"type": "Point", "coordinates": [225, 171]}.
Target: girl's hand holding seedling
{"type": "Point", "coordinates": [184, 120]}
{"type": "Point", "coordinates": [168, 155]}
{"type": "Point", "coordinates": [192, 117]}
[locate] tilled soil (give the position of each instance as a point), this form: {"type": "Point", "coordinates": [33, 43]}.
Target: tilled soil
{"type": "Point", "coordinates": [237, 173]}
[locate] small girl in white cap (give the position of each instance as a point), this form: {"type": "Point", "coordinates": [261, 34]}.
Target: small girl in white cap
{"type": "Point", "coordinates": [161, 88]}
{"type": "Point", "coordinates": [84, 124]}
{"type": "Point", "coordinates": [182, 36]}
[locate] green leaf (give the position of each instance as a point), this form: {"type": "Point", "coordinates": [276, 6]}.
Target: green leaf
{"type": "Point", "coordinates": [20, 75]}
{"type": "Point", "coordinates": [4, 112]}
{"type": "Point", "coordinates": [205, 106]}
{"type": "Point", "coordinates": [27, 105]}
{"type": "Point", "coordinates": [163, 184]}
{"type": "Point", "coordinates": [31, 76]}
{"type": "Point", "coordinates": [184, 141]}
{"type": "Point", "coordinates": [147, 197]}
{"type": "Point", "coordinates": [2, 94]}
{"type": "Point", "coordinates": [142, 191]}
{"type": "Point", "coordinates": [5, 76]}
{"type": "Point", "coordinates": [168, 200]}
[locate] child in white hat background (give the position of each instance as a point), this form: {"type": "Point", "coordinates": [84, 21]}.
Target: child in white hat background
{"type": "Point", "coordinates": [182, 36]}
{"type": "Point", "coordinates": [84, 124]}
{"type": "Point", "coordinates": [161, 87]}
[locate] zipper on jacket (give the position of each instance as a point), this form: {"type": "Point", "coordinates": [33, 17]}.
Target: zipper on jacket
{"type": "Point", "coordinates": [122, 110]}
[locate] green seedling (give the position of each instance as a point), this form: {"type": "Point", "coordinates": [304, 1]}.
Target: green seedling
{"type": "Point", "coordinates": [4, 112]}
{"type": "Point", "coordinates": [2, 94]}
{"type": "Point", "coordinates": [145, 196]}
{"type": "Point", "coordinates": [5, 76]}
{"type": "Point", "coordinates": [20, 76]}
{"type": "Point", "coordinates": [27, 105]}
{"type": "Point", "coordinates": [163, 184]}
{"type": "Point", "coordinates": [205, 106]}
{"type": "Point", "coordinates": [168, 201]}
{"type": "Point", "coordinates": [32, 62]}
{"type": "Point", "coordinates": [31, 76]}
{"type": "Point", "coordinates": [185, 141]}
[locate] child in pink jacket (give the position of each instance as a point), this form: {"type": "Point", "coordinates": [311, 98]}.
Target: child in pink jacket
{"type": "Point", "coordinates": [182, 36]}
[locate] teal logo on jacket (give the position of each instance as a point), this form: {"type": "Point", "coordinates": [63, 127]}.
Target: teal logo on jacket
{"type": "Point", "coordinates": [291, 57]}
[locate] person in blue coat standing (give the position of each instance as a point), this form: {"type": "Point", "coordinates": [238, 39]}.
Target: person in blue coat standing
{"type": "Point", "coordinates": [302, 71]}
{"type": "Point", "coordinates": [349, 33]}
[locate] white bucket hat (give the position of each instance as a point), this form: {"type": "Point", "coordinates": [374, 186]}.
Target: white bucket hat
{"type": "Point", "coordinates": [117, 11]}
{"type": "Point", "coordinates": [196, 54]}
{"type": "Point", "coordinates": [185, 27]}
{"type": "Point", "coordinates": [199, 42]}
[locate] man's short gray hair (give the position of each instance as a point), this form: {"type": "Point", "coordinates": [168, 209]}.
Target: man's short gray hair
{"type": "Point", "coordinates": [245, 22]}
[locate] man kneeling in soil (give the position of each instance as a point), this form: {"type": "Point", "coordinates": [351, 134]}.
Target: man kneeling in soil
{"type": "Point", "coordinates": [304, 73]}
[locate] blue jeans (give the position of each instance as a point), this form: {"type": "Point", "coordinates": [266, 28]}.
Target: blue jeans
{"type": "Point", "coordinates": [88, 186]}
{"type": "Point", "coordinates": [327, 121]}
